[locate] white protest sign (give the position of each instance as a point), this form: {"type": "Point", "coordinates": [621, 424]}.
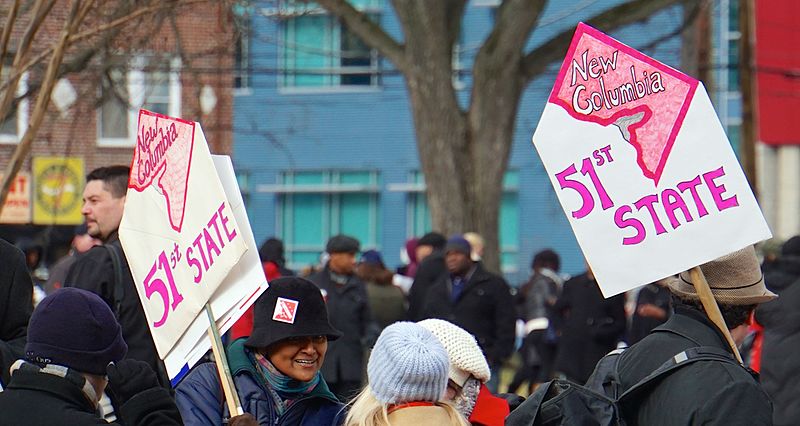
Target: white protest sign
{"type": "Point", "coordinates": [641, 166]}
{"type": "Point", "coordinates": [178, 230]}
{"type": "Point", "coordinates": [238, 291]}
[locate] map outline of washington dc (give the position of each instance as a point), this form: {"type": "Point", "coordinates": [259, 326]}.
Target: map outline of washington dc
{"type": "Point", "coordinates": [606, 82]}
{"type": "Point", "coordinates": [163, 154]}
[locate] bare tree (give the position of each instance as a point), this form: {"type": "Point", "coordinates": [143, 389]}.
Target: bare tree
{"type": "Point", "coordinates": [93, 33]}
{"type": "Point", "coordinates": [464, 151]}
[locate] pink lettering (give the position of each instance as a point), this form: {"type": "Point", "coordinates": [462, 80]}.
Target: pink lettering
{"type": "Point", "coordinates": [718, 190]}
{"type": "Point", "coordinates": [671, 201]}
{"type": "Point", "coordinates": [622, 223]}
{"type": "Point", "coordinates": [691, 185]}
{"type": "Point", "coordinates": [648, 201]}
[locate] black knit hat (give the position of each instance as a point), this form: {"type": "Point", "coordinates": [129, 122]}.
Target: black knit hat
{"type": "Point", "coordinates": [342, 244]}
{"type": "Point", "coordinates": [433, 239]}
{"type": "Point", "coordinates": [290, 307]}
{"type": "Point", "coordinates": [75, 328]}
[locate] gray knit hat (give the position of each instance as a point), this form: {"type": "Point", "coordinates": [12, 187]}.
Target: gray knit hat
{"type": "Point", "coordinates": [408, 363]}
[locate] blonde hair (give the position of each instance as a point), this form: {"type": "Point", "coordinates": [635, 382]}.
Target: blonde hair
{"type": "Point", "coordinates": [366, 410]}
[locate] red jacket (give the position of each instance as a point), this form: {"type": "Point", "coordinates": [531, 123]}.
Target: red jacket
{"type": "Point", "coordinates": [489, 410]}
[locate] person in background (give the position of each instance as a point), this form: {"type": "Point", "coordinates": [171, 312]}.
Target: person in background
{"type": "Point", "coordinates": [477, 301]}
{"type": "Point", "coordinates": [653, 308]}
{"type": "Point", "coordinates": [271, 250]}
{"type": "Point", "coordinates": [276, 370]}
{"type": "Point", "coordinates": [590, 326]}
{"type": "Point", "coordinates": [16, 296]}
{"type": "Point", "coordinates": [348, 306]}
{"type": "Point", "coordinates": [535, 300]}
{"type": "Point", "coordinates": [467, 376]}
{"type": "Point", "coordinates": [34, 251]}
{"type": "Point", "coordinates": [476, 242]}
{"type": "Point", "coordinates": [780, 318]}
{"type": "Point", "coordinates": [408, 255]}
{"type": "Point", "coordinates": [75, 349]}
{"type": "Point", "coordinates": [407, 374]}
{"type": "Point", "coordinates": [387, 302]}
{"type": "Point", "coordinates": [81, 243]}
{"type": "Point", "coordinates": [103, 203]}
{"type": "Point", "coordinates": [430, 256]}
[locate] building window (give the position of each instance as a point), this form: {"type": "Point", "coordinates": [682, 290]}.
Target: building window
{"type": "Point", "coordinates": [152, 83]}
{"type": "Point", "coordinates": [13, 127]}
{"type": "Point", "coordinates": [316, 205]}
{"type": "Point", "coordinates": [508, 233]}
{"type": "Point", "coordinates": [320, 52]}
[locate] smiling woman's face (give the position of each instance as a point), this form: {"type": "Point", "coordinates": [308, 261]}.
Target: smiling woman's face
{"type": "Point", "coordinates": [298, 357]}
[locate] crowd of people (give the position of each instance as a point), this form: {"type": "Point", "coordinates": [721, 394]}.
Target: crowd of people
{"type": "Point", "coordinates": [424, 343]}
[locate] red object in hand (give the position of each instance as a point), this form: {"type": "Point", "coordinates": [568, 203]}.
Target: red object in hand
{"type": "Point", "coordinates": [244, 326]}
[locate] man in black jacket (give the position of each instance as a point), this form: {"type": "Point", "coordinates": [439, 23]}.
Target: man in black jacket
{"type": "Point", "coordinates": [349, 312]}
{"type": "Point", "coordinates": [475, 300]}
{"type": "Point", "coordinates": [73, 343]}
{"type": "Point", "coordinates": [704, 392]}
{"type": "Point", "coordinates": [781, 321]}
{"type": "Point", "coordinates": [16, 304]}
{"type": "Point", "coordinates": [103, 202]}
{"type": "Point", "coordinates": [430, 256]}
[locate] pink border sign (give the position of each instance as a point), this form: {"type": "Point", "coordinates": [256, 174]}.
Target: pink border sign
{"type": "Point", "coordinates": [606, 82]}
{"type": "Point", "coordinates": [163, 154]}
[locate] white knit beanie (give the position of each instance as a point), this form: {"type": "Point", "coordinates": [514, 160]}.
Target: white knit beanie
{"type": "Point", "coordinates": [465, 355]}
{"type": "Point", "coordinates": [407, 364]}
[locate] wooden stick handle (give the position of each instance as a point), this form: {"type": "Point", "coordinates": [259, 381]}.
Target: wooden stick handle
{"type": "Point", "coordinates": [228, 387]}
{"type": "Point", "coordinates": [711, 307]}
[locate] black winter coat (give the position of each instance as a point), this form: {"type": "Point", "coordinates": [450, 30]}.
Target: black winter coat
{"type": "Point", "coordinates": [41, 399]}
{"type": "Point", "coordinates": [485, 308]}
{"type": "Point", "coordinates": [16, 305]}
{"type": "Point", "coordinates": [94, 271]}
{"type": "Point", "coordinates": [780, 363]}
{"type": "Point", "coordinates": [702, 393]}
{"type": "Point", "coordinates": [589, 325]}
{"type": "Point", "coordinates": [431, 270]}
{"type": "Point", "coordinates": [349, 312]}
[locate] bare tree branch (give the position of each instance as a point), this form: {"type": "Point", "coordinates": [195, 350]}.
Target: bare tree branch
{"type": "Point", "coordinates": [12, 16]}
{"type": "Point", "coordinates": [368, 31]}
{"type": "Point", "coordinates": [72, 23]}
{"type": "Point", "coordinates": [41, 9]}
{"type": "Point", "coordinates": [626, 13]}
{"type": "Point", "coordinates": [514, 22]}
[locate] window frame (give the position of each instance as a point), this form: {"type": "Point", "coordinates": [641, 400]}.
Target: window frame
{"type": "Point", "coordinates": [22, 112]}
{"type": "Point", "coordinates": [287, 14]}
{"type": "Point", "coordinates": [135, 79]}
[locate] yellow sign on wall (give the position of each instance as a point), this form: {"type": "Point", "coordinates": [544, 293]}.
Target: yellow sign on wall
{"type": "Point", "coordinates": [58, 190]}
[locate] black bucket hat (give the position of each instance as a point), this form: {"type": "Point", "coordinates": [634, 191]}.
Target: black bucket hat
{"type": "Point", "coordinates": [290, 307]}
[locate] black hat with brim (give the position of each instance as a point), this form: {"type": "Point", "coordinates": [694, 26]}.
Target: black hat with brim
{"type": "Point", "coordinates": [290, 307]}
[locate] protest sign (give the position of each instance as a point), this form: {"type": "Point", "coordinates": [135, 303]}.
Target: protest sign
{"type": "Point", "coordinates": [641, 166]}
{"type": "Point", "coordinates": [17, 208]}
{"type": "Point", "coordinates": [178, 229]}
{"type": "Point", "coordinates": [237, 292]}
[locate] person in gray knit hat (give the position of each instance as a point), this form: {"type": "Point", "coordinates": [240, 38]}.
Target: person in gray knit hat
{"type": "Point", "coordinates": [75, 349]}
{"type": "Point", "coordinates": [407, 373]}
{"type": "Point", "coordinates": [704, 392]}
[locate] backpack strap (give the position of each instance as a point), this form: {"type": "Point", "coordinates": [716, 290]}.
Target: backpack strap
{"type": "Point", "coordinates": [118, 291]}
{"type": "Point", "coordinates": [690, 355]}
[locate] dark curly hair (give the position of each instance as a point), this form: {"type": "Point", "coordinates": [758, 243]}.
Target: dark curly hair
{"type": "Point", "coordinates": [734, 315]}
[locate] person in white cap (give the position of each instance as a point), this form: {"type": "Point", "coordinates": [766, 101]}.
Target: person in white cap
{"type": "Point", "coordinates": [467, 376]}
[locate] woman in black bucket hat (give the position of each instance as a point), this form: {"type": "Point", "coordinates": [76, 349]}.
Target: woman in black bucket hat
{"type": "Point", "coordinates": [276, 369]}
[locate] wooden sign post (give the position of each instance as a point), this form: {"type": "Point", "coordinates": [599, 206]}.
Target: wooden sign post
{"type": "Point", "coordinates": [712, 309]}
{"type": "Point", "coordinates": [228, 387]}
